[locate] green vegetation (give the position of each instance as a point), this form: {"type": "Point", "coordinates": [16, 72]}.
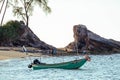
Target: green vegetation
{"type": "Point", "coordinates": [26, 7]}
{"type": "Point", "coordinates": [10, 31]}
{"type": "Point", "coordinates": [23, 8]}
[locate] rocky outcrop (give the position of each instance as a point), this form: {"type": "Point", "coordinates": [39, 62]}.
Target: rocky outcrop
{"type": "Point", "coordinates": [84, 39]}
{"type": "Point", "coordinates": [25, 37]}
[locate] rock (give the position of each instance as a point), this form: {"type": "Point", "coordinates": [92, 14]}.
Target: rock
{"type": "Point", "coordinates": [80, 36]}
{"type": "Point", "coordinates": [25, 37]}
{"type": "Point", "coordinates": [86, 40]}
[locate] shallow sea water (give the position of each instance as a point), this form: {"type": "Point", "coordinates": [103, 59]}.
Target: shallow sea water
{"type": "Point", "coordinates": [101, 67]}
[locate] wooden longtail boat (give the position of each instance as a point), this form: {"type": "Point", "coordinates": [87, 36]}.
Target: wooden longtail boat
{"type": "Point", "coordinates": [65, 65]}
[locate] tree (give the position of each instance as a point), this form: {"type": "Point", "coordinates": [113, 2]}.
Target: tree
{"type": "Point", "coordinates": [24, 8]}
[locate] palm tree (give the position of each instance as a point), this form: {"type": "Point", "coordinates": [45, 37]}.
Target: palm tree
{"type": "Point", "coordinates": [24, 8]}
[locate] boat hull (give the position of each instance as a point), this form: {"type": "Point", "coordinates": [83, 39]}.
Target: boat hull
{"type": "Point", "coordinates": [65, 65]}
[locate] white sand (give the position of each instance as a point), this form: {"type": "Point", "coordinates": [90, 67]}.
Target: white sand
{"type": "Point", "coordinates": [14, 54]}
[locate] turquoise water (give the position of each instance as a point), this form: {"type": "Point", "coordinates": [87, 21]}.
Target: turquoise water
{"type": "Point", "coordinates": [101, 67]}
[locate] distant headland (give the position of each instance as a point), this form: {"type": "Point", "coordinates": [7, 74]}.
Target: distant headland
{"type": "Point", "coordinates": [16, 34]}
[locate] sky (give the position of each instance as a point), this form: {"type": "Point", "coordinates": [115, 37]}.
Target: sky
{"type": "Point", "coordinates": [100, 16]}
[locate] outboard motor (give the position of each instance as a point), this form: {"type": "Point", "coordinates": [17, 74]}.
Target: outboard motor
{"type": "Point", "coordinates": [36, 61]}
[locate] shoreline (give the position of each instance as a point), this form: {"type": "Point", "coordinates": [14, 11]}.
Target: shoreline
{"type": "Point", "coordinates": [16, 54]}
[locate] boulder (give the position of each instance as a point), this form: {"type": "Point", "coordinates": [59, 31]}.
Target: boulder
{"type": "Point", "coordinates": [85, 39]}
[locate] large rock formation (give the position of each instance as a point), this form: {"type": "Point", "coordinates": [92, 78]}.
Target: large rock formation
{"type": "Point", "coordinates": [86, 40]}
{"type": "Point", "coordinates": [25, 37]}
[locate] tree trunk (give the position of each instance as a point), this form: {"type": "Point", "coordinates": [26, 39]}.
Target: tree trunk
{"type": "Point", "coordinates": [4, 12]}
{"type": "Point", "coordinates": [27, 20]}
{"type": "Point", "coordinates": [2, 6]}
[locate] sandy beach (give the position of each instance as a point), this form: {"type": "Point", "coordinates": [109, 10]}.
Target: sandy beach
{"type": "Point", "coordinates": [15, 54]}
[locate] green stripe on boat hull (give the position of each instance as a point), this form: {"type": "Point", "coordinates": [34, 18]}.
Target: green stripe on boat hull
{"type": "Point", "coordinates": [65, 65]}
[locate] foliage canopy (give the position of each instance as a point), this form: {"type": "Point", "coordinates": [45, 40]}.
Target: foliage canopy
{"type": "Point", "coordinates": [10, 30]}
